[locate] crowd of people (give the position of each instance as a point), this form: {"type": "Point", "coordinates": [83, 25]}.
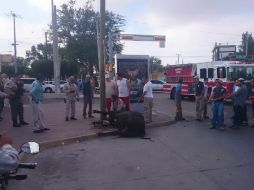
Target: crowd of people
{"type": "Point", "coordinates": [117, 98]}
{"type": "Point", "coordinates": [217, 98]}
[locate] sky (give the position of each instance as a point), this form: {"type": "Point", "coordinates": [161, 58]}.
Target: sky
{"type": "Point", "coordinates": [191, 27]}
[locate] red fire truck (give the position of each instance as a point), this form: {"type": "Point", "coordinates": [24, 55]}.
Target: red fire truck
{"type": "Point", "coordinates": [227, 71]}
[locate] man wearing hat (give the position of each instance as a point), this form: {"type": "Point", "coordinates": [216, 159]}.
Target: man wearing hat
{"type": "Point", "coordinates": [239, 106]}
{"type": "Point", "coordinates": [71, 95]}
{"type": "Point", "coordinates": [217, 98]}
{"type": "Point", "coordinates": [110, 91]}
{"type": "Point", "coordinates": [199, 93]}
{"type": "Point", "coordinates": [88, 96]}
{"type": "Point", "coordinates": [14, 89]}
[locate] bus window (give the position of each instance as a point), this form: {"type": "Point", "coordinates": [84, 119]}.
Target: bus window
{"type": "Point", "coordinates": [210, 73]}
{"type": "Point", "coordinates": [221, 72]}
{"type": "Point", "coordinates": [202, 73]}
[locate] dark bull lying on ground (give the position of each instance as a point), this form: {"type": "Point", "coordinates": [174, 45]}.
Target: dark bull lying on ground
{"type": "Point", "coordinates": [128, 123]}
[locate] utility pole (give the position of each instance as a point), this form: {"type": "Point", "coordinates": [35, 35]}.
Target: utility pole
{"type": "Point", "coordinates": [102, 57]}
{"type": "Point", "coordinates": [247, 44]}
{"type": "Point", "coordinates": [178, 56]}
{"type": "Point", "coordinates": [46, 46]}
{"type": "Point", "coordinates": [15, 44]}
{"type": "Point", "coordinates": [55, 50]}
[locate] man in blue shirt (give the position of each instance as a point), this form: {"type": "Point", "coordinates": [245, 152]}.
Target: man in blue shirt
{"type": "Point", "coordinates": [178, 99]}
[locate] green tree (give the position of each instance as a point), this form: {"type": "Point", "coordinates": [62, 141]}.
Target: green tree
{"type": "Point", "coordinates": [247, 43]}
{"type": "Point", "coordinates": [78, 33]}
{"type": "Point", "coordinates": [155, 64]}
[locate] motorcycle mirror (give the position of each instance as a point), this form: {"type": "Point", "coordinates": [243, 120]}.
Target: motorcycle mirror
{"type": "Point", "coordinates": [30, 148]}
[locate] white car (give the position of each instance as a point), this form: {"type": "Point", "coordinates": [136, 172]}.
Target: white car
{"type": "Point", "coordinates": [52, 83]}
{"type": "Point", "coordinates": [157, 84]}
{"type": "Point", "coordinates": [48, 88]}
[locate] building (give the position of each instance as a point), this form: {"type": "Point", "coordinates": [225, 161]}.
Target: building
{"type": "Point", "coordinates": [6, 59]}
{"type": "Point", "coordinates": [221, 52]}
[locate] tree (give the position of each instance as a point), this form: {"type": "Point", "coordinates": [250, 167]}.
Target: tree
{"type": "Point", "coordinates": [247, 43]}
{"type": "Point", "coordinates": [155, 64]}
{"type": "Point", "coordinates": [78, 34]}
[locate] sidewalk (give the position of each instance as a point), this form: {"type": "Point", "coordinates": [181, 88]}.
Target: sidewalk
{"type": "Point", "coordinates": [61, 132]}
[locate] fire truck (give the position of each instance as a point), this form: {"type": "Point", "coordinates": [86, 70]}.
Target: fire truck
{"type": "Point", "coordinates": [227, 71]}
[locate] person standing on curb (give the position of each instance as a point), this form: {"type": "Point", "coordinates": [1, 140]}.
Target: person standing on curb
{"type": "Point", "coordinates": [36, 93]}
{"type": "Point", "coordinates": [217, 98]}
{"type": "Point", "coordinates": [123, 90]}
{"type": "Point", "coordinates": [71, 95]}
{"type": "Point", "coordinates": [244, 97]}
{"type": "Point", "coordinates": [238, 105]}
{"type": "Point", "coordinates": [178, 99]}
{"type": "Point", "coordinates": [14, 89]}
{"type": "Point", "coordinates": [251, 98]}
{"type": "Point", "coordinates": [110, 91]}
{"type": "Point", "coordinates": [2, 96]}
{"type": "Point", "coordinates": [88, 96]}
{"type": "Point", "coordinates": [199, 93]}
{"type": "Point", "coordinates": [148, 100]}
{"type": "Point", "coordinates": [205, 98]}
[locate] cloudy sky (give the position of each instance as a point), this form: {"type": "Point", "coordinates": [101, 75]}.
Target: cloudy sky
{"type": "Point", "coordinates": [191, 26]}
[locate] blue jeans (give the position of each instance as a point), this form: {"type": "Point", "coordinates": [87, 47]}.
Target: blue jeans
{"type": "Point", "coordinates": [218, 114]}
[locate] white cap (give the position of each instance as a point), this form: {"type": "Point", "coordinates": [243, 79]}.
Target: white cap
{"type": "Point", "coordinates": [87, 75]}
{"type": "Point", "coordinates": [106, 75]}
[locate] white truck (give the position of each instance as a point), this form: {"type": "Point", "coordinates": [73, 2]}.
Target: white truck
{"type": "Point", "coordinates": [134, 68]}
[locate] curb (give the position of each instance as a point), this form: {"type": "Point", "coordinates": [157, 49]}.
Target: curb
{"type": "Point", "coordinates": [60, 142]}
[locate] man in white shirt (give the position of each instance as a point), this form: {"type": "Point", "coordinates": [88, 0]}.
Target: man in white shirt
{"type": "Point", "coordinates": [110, 91]}
{"type": "Point", "coordinates": [148, 100]}
{"type": "Point", "coordinates": [123, 89]}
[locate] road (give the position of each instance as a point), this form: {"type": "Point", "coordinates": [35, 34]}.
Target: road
{"type": "Point", "coordinates": [183, 156]}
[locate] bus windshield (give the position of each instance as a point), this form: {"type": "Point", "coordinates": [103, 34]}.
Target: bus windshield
{"type": "Point", "coordinates": [240, 72]}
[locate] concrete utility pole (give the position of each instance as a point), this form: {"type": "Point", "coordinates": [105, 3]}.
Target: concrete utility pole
{"type": "Point", "coordinates": [178, 56]}
{"type": "Point", "coordinates": [102, 58]}
{"type": "Point", "coordinates": [46, 46]}
{"type": "Point", "coordinates": [15, 44]}
{"type": "Point", "coordinates": [55, 50]}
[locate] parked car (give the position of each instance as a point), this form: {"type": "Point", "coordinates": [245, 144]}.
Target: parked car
{"type": "Point", "coordinates": [52, 84]}
{"type": "Point", "coordinates": [157, 84]}
{"type": "Point", "coordinates": [48, 88]}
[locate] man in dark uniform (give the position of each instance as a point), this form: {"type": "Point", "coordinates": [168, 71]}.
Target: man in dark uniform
{"type": "Point", "coordinates": [15, 90]}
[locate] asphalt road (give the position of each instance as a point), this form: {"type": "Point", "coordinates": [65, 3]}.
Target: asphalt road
{"type": "Point", "coordinates": [183, 156]}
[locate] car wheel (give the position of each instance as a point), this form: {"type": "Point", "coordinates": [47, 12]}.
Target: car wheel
{"type": "Point", "coordinates": [48, 90]}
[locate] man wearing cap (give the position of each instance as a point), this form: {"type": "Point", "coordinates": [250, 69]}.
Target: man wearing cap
{"type": "Point", "coordinates": [239, 107]}
{"type": "Point", "coordinates": [71, 95]}
{"type": "Point", "coordinates": [88, 96]}
{"type": "Point", "coordinates": [199, 93]}
{"type": "Point", "coordinates": [252, 101]}
{"type": "Point", "coordinates": [14, 89]}
{"type": "Point", "coordinates": [2, 96]}
{"type": "Point", "coordinates": [217, 97]}
{"type": "Point", "coordinates": [110, 91]}
{"type": "Point", "coordinates": [244, 98]}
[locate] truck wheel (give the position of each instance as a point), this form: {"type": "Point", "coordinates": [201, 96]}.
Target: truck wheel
{"type": "Point", "coordinates": [172, 94]}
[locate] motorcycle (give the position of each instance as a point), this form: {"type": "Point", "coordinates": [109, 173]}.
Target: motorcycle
{"type": "Point", "coordinates": [28, 148]}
